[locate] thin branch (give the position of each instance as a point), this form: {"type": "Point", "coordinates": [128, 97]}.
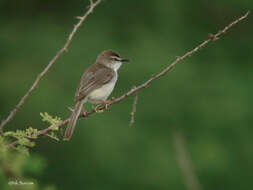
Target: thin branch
{"type": "Point", "coordinates": [190, 179]}
{"type": "Point", "coordinates": [58, 54]}
{"type": "Point", "coordinates": [133, 109]}
{"type": "Point", "coordinates": [145, 84]}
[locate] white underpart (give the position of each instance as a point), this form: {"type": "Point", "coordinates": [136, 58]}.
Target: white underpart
{"type": "Point", "coordinates": [103, 92]}
{"type": "Point", "coordinates": [116, 66]}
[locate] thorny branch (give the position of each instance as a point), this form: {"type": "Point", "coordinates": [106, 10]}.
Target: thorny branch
{"type": "Point", "coordinates": [58, 54]}
{"type": "Point", "coordinates": [212, 38]}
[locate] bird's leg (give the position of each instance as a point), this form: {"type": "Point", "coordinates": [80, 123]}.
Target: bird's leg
{"type": "Point", "coordinates": [84, 113]}
{"type": "Point", "coordinates": [106, 103]}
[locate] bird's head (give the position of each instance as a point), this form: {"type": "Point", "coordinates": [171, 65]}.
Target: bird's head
{"type": "Point", "coordinates": [111, 59]}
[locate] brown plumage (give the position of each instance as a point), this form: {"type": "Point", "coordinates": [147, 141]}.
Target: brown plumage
{"type": "Point", "coordinates": [96, 84]}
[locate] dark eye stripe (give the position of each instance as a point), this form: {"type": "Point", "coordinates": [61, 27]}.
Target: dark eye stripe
{"type": "Point", "coordinates": [115, 54]}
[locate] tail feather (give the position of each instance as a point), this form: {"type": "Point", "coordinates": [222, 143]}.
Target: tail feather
{"type": "Point", "coordinates": [72, 122]}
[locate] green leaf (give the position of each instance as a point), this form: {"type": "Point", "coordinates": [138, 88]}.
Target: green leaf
{"type": "Point", "coordinates": [53, 121]}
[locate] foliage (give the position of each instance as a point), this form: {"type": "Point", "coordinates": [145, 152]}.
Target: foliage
{"type": "Point", "coordinates": [23, 136]}
{"type": "Point", "coordinates": [52, 121]}
{"type": "Point", "coordinates": [17, 167]}
{"type": "Point", "coordinates": [53, 124]}
{"type": "Point", "coordinates": [16, 162]}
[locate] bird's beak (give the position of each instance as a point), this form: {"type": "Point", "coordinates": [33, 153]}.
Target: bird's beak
{"type": "Point", "coordinates": [124, 60]}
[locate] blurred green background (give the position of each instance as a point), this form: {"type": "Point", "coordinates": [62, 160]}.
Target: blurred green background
{"type": "Point", "coordinates": [208, 97]}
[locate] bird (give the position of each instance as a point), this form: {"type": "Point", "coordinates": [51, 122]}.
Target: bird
{"type": "Point", "coordinates": [96, 85]}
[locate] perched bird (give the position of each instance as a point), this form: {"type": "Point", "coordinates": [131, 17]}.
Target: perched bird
{"type": "Point", "coordinates": [96, 85]}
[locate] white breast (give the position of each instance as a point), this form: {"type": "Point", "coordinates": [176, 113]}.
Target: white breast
{"type": "Point", "coordinates": [103, 92]}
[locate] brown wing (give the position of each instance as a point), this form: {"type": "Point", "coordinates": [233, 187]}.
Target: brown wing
{"type": "Point", "coordinates": [95, 77]}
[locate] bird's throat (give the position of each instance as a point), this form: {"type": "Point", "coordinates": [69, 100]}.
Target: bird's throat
{"type": "Point", "coordinates": [115, 66]}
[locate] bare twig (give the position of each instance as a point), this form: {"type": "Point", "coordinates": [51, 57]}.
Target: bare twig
{"type": "Point", "coordinates": [145, 84]}
{"type": "Point", "coordinates": [58, 54]}
{"type": "Point", "coordinates": [133, 109]}
{"type": "Point", "coordinates": [190, 179]}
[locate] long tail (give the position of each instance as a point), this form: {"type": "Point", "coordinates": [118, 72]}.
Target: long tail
{"type": "Point", "coordinates": [72, 122]}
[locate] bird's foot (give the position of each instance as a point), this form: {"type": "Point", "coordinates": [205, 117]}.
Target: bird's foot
{"type": "Point", "coordinates": [97, 110]}
{"type": "Point", "coordinates": [106, 103]}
